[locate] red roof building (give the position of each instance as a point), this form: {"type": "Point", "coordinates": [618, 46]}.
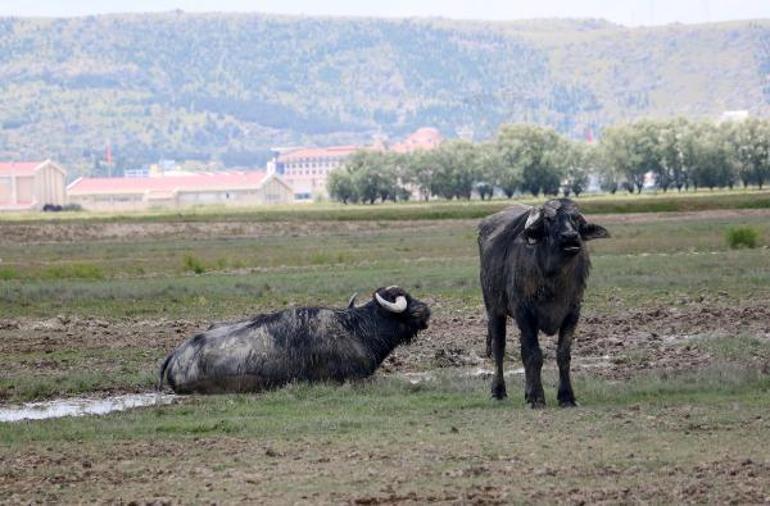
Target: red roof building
{"type": "Point", "coordinates": [227, 188]}
{"type": "Point", "coordinates": [31, 185]}
{"type": "Point", "coordinates": [306, 169]}
{"type": "Point", "coordinates": [425, 138]}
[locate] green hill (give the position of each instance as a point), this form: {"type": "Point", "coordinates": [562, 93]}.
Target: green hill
{"type": "Point", "coordinates": [226, 87]}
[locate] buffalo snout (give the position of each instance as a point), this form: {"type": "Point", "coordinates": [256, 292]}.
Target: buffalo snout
{"type": "Point", "coordinates": [420, 313]}
{"type": "Point", "coordinates": [570, 241]}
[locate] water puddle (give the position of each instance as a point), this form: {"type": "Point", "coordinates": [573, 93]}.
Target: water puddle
{"type": "Point", "coordinates": [420, 377]}
{"type": "Point", "coordinates": [81, 406]}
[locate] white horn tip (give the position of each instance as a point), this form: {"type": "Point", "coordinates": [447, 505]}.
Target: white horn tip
{"type": "Point", "coordinates": [394, 307]}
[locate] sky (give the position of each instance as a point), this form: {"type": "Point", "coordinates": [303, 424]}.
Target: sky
{"type": "Point", "coordinates": [625, 12]}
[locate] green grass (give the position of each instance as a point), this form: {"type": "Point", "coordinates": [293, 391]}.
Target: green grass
{"type": "Point", "coordinates": [193, 264]}
{"type": "Point", "coordinates": [8, 273]}
{"type": "Point", "coordinates": [74, 371]}
{"type": "Point", "coordinates": [632, 280]}
{"type": "Point", "coordinates": [73, 383]}
{"type": "Point", "coordinates": [76, 270]}
{"type": "Point", "coordinates": [372, 407]}
{"type": "Point", "coordinates": [642, 262]}
{"type": "Point", "coordinates": [661, 262]}
{"type": "Point", "coordinates": [649, 438]}
{"type": "Point", "coordinates": [742, 237]}
{"type": "Point", "coordinates": [408, 211]}
{"type": "Point", "coordinates": [644, 439]}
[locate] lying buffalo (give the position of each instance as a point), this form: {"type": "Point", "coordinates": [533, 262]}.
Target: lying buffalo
{"type": "Point", "coordinates": [534, 267]}
{"type": "Point", "coordinates": [305, 344]}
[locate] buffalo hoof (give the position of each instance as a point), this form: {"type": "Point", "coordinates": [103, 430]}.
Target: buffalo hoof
{"type": "Point", "coordinates": [498, 392]}
{"type": "Point", "coordinates": [568, 404]}
{"type": "Point", "coordinates": [537, 404]}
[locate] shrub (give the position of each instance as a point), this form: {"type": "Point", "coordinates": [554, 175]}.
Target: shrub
{"type": "Point", "coordinates": [742, 237]}
{"type": "Point", "coordinates": [73, 271]}
{"type": "Point", "coordinates": [8, 273]}
{"type": "Point", "coordinates": [193, 264]}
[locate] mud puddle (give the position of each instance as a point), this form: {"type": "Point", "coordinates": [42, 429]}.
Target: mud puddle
{"type": "Point", "coordinates": [421, 377]}
{"type": "Point", "coordinates": [81, 406]}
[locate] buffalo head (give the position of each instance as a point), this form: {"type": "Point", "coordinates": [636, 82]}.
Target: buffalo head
{"type": "Point", "coordinates": [398, 305]}
{"type": "Point", "coordinates": [558, 230]}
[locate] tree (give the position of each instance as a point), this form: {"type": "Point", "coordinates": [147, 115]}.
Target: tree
{"type": "Point", "coordinates": [490, 170]}
{"type": "Point", "coordinates": [388, 184]}
{"type": "Point", "coordinates": [673, 138]}
{"type": "Point", "coordinates": [341, 186]}
{"type": "Point", "coordinates": [610, 179]}
{"type": "Point", "coordinates": [750, 140]}
{"type": "Point", "coordinates": [576, 159]}
{"type": "Point", "coordinates": [417, 169]}
{"type": "Point", "coordinates": [372, 175]}
{"type": "Point", "coordinates": [529, 158]}
{"type": "Point", "coordinates": [457, 169]}
{"type": "Point", "coordinates": [634, 151]}
{"type": "Point", "coordinates": [710, 158]}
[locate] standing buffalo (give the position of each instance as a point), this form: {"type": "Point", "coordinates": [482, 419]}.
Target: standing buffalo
{"type": "Point", "coordinates": [306, 344]}
{"type": "Point", "coordinates": [534, 268]}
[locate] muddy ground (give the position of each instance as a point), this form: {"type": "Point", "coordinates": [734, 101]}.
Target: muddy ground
{"type": "Point", "coordinates": [448, 467]}
{"type": "Point", "coordinates": [618, 345]}
{"type": "Point", "coordinates": [258, 470]}
{"type": "Point", "coordinates": [123, 231]}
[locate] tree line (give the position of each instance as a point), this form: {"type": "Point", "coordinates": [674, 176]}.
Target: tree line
{"type": "Point", "coordinates": [679, 153]}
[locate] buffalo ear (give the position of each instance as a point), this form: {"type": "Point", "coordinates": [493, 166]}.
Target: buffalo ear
{"type": "Point", "coordinates": [591, 231]}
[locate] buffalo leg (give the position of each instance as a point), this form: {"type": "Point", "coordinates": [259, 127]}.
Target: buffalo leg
{"type": "Point", "coordinates": [563, 357]}
{"type": "Point", "coordinates": [496, 339]}
{"type": "Point", "coordinates": [532, 357]}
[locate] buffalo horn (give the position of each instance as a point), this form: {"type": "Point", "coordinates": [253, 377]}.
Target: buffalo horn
{"type": "Point", "coordinates": [394, 307]}
{"type": "Point", "coordinates": [551, 208]}
{"type": "Point", "coordinates": [535, 216]}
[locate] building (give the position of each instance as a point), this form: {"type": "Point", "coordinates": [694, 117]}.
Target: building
{"type": "Point", "coordinates": [242, 188]}
{"type": "Point", "coordinates": [425, 138]}
{"type": "Point", "coordinates": [306, 169]}
{"type": "Point", "coordinates": [734, 116]}
{"type": "Point", "coordinates": [28, 186]}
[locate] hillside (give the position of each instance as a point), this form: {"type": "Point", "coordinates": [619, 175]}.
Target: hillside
{"type": "Point", "coordinates": [227, 87]}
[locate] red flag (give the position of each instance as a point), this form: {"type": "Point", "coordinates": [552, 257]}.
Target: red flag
{"type": "Point", "coordinates": [108, 154]}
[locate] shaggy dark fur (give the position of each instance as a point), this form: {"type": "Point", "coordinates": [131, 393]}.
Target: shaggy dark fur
{"type": "Point", "coordinates": [304, 344]}
{"type": "Point", "coordinates": [536, 275]}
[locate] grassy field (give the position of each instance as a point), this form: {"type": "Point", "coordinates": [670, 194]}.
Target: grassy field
{"type": "Point", "coordinates": [672, 366]}
{"type": "Point", "coordinates": [702, 200]}
{"type": "Point", "coordinates": [695, 439]}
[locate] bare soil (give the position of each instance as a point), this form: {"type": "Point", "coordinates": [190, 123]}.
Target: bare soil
{"type": "Point", "coordinates": [453, 461]}
{"type": "Point", "coordinates": [36, 233]}
{"type": "Point", "coordinates": [616, 345]}
{"type": "Point", "coordinates": [445, 467]}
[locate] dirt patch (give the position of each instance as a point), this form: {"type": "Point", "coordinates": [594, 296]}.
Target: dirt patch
{"type": "Point", "coordinates": [366, 473]}
{"type": "Point", "coordinates": [682, 216]}
{"type": "Point", "coordinates": [616, 345]}
{"type": "Point", "coordinates": [16, 233]}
